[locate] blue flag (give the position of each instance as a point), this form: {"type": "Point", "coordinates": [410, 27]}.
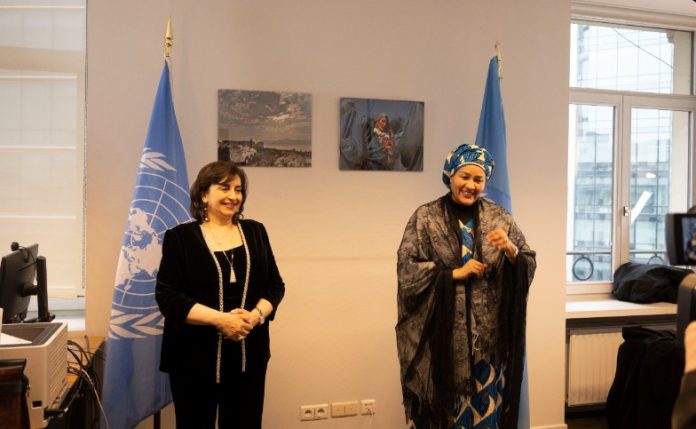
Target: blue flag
{"type": "Point", "coordinates": [492, 136]}
{"type": "Point", "coordinates": [134, 388]}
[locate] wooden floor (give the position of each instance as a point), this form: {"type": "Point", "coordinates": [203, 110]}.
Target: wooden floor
{"type": "Point", "coordinates": [587, 422]}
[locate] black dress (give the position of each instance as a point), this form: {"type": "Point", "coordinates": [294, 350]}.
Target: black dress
{"type": "Point", "coordinates": [188, 275]}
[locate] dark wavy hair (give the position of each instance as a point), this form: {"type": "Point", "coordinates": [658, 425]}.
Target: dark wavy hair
{"type": "Point", "coordinates": [212, 174]}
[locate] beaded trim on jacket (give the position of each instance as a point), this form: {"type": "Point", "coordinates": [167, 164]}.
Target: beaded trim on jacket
{"type": "Point", "coordinates": [221, 296]}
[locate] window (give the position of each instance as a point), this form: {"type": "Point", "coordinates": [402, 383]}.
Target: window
{"type": "Point", "coordinates": [42, 93]}
{"type": "Point", "coordinates": [630, 125]}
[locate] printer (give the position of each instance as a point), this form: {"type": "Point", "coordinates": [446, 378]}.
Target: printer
{"type": "Point", "coordinates": [44, 346]}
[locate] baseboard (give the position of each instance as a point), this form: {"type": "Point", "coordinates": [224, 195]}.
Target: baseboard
{"type": "Point", "coordinates": [561, 426]}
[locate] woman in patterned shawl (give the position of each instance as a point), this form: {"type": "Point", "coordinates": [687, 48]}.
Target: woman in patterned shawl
{"type": "Point", "coordinates": [464, 270]}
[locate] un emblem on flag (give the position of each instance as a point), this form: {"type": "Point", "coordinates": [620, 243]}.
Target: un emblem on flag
{"type": "Point", "coordinates": [159, 203]}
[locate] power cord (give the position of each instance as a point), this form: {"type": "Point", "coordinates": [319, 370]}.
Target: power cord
{"type": "Point", "coordinates": [84, 375]}
{"type": "Point", "coordinates": [87, 374]}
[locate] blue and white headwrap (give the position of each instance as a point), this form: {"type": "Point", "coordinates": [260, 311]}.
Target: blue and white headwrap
{"type": "Point", "coordinates": [467, 154]}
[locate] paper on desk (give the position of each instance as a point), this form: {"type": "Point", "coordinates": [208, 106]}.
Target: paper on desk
{"type": "Point", "coordinates": [9, 340]}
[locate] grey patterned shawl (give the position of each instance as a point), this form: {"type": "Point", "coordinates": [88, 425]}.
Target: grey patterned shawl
{"type": "Point", "coordinates": [429, 251]}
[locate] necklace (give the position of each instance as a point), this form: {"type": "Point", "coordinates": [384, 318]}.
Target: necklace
{"type": "Point", "coordinates": [233, 277]}
{"type": "Point", "coordinates": [216, 239]}
{"type": "Point", "coordinates": [221, 244]}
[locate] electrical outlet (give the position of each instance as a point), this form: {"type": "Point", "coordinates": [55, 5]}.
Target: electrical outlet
{"type": "Point", "coordinates": [314, 412]}
{"type": "Point", "coordinates": [367, 407]}
{"type": "Point", "coordinates": [321, 412]}
{"type": "Point", "coordinates": [307, 412]}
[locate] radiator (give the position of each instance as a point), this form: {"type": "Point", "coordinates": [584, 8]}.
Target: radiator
{"type": "Point", "coordinates": [591, 365]}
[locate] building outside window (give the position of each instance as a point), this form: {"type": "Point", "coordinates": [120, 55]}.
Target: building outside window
{"type": "Point", "coordinates": [630, 123]}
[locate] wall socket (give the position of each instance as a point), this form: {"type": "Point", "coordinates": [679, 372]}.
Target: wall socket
{"type": "Point", "coordinates": [321, 412]}
{"type": "Point", "coordinates": [314, 412]}
{"type": "Point", "coordinates": [338, 409]}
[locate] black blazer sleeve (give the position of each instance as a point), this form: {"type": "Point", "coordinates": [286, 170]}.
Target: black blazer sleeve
{"type": "Point", "coordinates": [273, 288]}
{"type": "Point", "coordinates": [170, 295]}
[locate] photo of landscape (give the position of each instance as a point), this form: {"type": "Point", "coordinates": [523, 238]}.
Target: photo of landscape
{"type": "Point", "coordinates": [264, 128]}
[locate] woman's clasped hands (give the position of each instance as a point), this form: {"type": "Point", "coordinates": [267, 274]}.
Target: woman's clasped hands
{"type": "Point", "coordinates": [237, 324]}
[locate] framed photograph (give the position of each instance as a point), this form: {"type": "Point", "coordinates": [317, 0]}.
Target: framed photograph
{"type": "Point", "coordinates": [381, 135]}
{"type": "Point", "coordinates": [265, 129]}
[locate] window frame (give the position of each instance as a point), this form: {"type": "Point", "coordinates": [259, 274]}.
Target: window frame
{"type": "Point", "coordinates": [614, 15]}
{"type": "Point", "coordinates": [47, 61]}
{"type": "Point", "coordinates": [623, 102]}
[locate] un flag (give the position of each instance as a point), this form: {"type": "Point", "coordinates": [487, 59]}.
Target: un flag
{"type": "Point", "coordinates": [134, 388]}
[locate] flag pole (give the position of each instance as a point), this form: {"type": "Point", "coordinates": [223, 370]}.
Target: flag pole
{"type": "Point", "coordinates": [168, 43]}
{"type": "Point", "coordinates": [499, 55]}
{"type": "Point", "coordinates": [168, 39]}
{"type": "Point", "coordinates": [135, 329]}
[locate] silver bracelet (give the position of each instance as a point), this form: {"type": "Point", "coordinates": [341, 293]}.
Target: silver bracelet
{"type": "Point", "coordinates": [261, 316]}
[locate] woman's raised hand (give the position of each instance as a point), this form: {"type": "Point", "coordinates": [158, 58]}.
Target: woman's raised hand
{"type": "Point", "coordinates": [500, 240]}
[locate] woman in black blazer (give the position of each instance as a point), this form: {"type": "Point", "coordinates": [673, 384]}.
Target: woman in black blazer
{"type": "Point", "coordinates": [217, 285]}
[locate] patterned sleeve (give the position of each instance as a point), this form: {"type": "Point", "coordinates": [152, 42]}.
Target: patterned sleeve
{"type": "Point", "coordinates": [526, 255]}
{"type": "Point", "coordinates": [416, 270]}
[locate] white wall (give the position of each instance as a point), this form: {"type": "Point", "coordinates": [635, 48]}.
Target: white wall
{"type": "Point", "coordinates": [335, 233]}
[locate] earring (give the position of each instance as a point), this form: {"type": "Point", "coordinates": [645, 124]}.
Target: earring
{"type": "Point", "coordinates": [205, 214]}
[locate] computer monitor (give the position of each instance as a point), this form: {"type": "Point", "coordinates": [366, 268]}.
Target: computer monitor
{"type": "Point", "coordinates": [680, 238]}
{"type": "Point", "coordinates": [23, 274]}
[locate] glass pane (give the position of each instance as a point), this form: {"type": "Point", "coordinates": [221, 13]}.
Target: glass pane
{"type": "Point", "coordinates": [590, 193]}
{"type": "Point", "coordinates": [42, 87]}
{"type": "Point", "coordinates": [659, 166]}
{"type": "Point", "coordinates": [38, 110]}
{"type": "Point", "coordinates": [44, 183]}
{"type": "Point", "coordinates": [58, 25]}
{"type": "Point", "coordinates": [628, 58]}
{"type": "Point", "coordinates": [64, 274]}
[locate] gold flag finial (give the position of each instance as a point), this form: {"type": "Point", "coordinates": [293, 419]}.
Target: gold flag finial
{"type": "Point", "coordinates": [499, 55]}
{"type": "Point", "coordinates": [168, 39]}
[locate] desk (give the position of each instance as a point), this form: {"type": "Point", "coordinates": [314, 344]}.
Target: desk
{"type": "Point", "coordinates": [78, 409]}
{"type": "Point", "coordinates": [609, 307]}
